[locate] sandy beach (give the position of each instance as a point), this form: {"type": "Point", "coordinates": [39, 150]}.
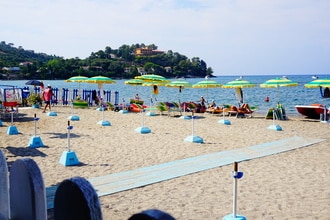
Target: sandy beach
{"type": "Point", "coordinates": [290, 185]}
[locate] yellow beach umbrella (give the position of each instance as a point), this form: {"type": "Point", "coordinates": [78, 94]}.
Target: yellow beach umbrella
{"type": "Point", "coordinates": [321, 83]}
{"type": "Point", "coordinates": [238, 85]}
{"type": "Point", "coordinates": [277, 83]}
{"type": "Point", "coordinates": [100, 80]}
{"type": "Point", "coordinates": [207, 84]}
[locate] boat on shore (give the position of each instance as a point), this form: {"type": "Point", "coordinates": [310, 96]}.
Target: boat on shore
{"type": "Point", "coordinates": [311, 111]}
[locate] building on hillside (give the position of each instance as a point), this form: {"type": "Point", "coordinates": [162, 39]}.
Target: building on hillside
{"type": "Point", "coordinates": [26, 63]}
{"type": "Point", "coordinates": [168, 69]}
{"type": "Point", "coordinates": [11, 69]}
{"type": "Point", "coordinates": [147, 52]}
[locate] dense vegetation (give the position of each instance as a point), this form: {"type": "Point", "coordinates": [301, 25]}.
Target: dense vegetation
{"type": "Point", "coordinates": [114, 63]}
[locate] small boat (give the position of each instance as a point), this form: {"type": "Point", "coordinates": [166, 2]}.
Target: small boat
{"type": "Point", "coordinates": [315, 77]}
{"type": "Point", "coordinates": [311, 111]}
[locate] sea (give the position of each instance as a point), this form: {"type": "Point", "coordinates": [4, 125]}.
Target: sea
{"type": "Point", "coordinates": [287, 96]}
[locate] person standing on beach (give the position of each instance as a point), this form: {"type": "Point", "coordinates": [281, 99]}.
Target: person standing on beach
{"type": "Point", "coordinates": [47, 95]}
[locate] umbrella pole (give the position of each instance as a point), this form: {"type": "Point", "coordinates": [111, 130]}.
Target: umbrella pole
{"type": "Point", "coordinates": [192, 122]}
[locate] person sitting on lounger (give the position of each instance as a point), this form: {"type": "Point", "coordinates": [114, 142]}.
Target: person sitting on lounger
{"type": "Point", "coordinates": [245, 109]}
{"type": "Point", "coordinates": [212, 104]}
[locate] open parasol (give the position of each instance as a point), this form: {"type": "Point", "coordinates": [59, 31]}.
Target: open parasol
{"type": "Point", "coordinates": [78, 79]}
{"type": "Point", "coordinates": [155, 81]}
{"type": "Point", "coordinates": [100, 80]}
{"type": "Point", "coordinates": [207, 84]}
{"type": "Point", "coordinates": [322, 84]}
{"type": "Point", "coordinates": [34, 83]}
{"type": "Point", "coordinates": [179, 84]}
{"type": "Point", "coordinates": [152, 78]}
{"type": "Point", "coordinates": [238, 85]}
{"type": "Point", "coordinates": [277, 83]}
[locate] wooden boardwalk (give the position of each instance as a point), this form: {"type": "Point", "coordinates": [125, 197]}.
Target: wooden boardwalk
{"type": "Point", "coordinates": [117, 182]}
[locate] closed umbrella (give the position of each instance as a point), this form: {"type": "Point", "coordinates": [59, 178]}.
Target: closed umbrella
{"type": "Point", "coordinates": [238, 85]}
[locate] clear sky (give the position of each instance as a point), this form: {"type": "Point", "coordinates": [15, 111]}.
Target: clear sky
{"type": "Point", "coordinates": [234, 37]}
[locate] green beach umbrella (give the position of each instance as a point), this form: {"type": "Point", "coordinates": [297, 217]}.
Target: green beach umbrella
{"type": "Point", "coordinates": [155, 84]}
{"type": "Point", "coordinates": [100, 80]}
{"type": "Point", "coordinates": [320, 83]}
{"type": "Point", "coordinates": [78, 79]}
{"type": "Point", "coordinates": [134, 82]}
{"type": "Point", "coordinates": [207, 84]}
{"type": "Point", "coordinates": [179, 84]}
{"type": "Point", "coordinates": [277, 83]}
{"type": "Point", "coordinates": [325, 82]}
{"type": "Point", "coordinates": [238, 84]}
{"type": "Point", "coordinates": [152, 78]}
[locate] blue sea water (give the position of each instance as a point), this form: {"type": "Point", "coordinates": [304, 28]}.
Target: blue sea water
{"type": "Point", "coordinates": [287, 96]}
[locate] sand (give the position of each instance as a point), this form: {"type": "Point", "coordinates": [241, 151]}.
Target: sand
{"type": "Point", "coordinates": [290, 185]}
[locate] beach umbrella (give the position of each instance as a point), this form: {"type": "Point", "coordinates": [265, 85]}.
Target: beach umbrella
{"type": "Point", "coordinates": [238, 85]}
{"type": "Point", "coordinates": [179, 84]}
{"type": "Point", "coordinates": [155, 85]}
{"type": "Point", "coordinates": [277, 83]}
{"type": "Point", "coordinates": [320, 83]}
{"type": "Point", "coordinates": [77, 79]}
{"type": "Point", "coordinates": [152, 78]}
{"type": "Point", "coordinates": [134, 82]}
{"type": "Point", "coordinates": [34, 83]}
{"type": "Point", "coordinates": [100, 80]}
{"type": "Point", "coordinates": [207, 84]}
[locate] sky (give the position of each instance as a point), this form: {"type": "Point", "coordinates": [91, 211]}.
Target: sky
{"type": "Point", "coordinates": [233, 37]}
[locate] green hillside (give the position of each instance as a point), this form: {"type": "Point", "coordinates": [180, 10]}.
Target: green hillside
{"type": "Point", "coordinates": [124, 62]}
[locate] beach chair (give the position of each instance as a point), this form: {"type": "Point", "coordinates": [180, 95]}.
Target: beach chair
{"type": "Point", "coordinates": [245, 111]}
{"type": "Point", "coordinates": [173, 107]}
{"type": "Point", "coordinates": [163, 108]}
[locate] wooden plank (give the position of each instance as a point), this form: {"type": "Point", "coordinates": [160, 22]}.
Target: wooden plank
{"type": "Point", "coordinates": [118, 182]}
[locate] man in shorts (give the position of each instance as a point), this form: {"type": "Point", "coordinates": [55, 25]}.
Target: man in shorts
{"type": "Point", "coordinates": [47, 95]}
